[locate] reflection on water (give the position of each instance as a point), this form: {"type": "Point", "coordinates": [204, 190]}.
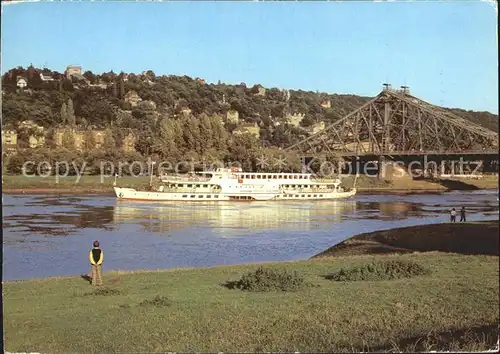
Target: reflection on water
{"type": "Point", "coordinates": [232, 219]}
{"type": "Point", "coordinates": [51, 235]}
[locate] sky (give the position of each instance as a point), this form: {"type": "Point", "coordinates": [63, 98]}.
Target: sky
{"type": "Point", "coordinates": [446, 52]}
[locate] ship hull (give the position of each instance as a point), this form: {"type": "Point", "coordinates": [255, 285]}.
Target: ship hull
{"type": "Point", "coordinates": [132, 194]}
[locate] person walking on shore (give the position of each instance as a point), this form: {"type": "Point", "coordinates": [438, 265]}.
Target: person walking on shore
{"type": "Point", "coordinates": [96, 257]}
{"type": "Point", "coordinates": [462, 215]}
{"type": "Point", "coordinates": [453, 215]}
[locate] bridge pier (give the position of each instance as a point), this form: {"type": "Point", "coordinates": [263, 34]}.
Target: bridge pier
{"type": "Point", "coordinates": [381, 167]}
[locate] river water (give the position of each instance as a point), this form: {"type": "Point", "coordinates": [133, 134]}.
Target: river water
{"type": "Point", "coordinates": [49, 235]}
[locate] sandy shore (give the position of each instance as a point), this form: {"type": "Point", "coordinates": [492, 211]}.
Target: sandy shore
{"type": "Point", "coordinates": [474, 238]}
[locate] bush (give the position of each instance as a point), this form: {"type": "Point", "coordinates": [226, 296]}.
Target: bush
{"type": "Point", "coordinates": [382, 270]}
{"type": "Point", "coordinates": [157, 301]}
{"type": "Point", "coordinates": [103, 292]}
{"type": "Point", "coordinates": [265, 279]}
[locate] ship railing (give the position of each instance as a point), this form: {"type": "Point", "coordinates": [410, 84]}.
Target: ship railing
{"type": "Point", "coordinates": [325, 180]}
{"type": "Point", "coordinates": [167, 178]}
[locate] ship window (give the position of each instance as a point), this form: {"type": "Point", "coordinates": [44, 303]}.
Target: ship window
{"type": "Point", "coordinates": [275, 177]}
{"type": "Point", "coordinates": [184, 196]}
{"type": "Point", "coordinates": [300, 176]}
{"type": "Point", "coordinates": [209, 196]}
{"type": "Point", "coordinates": [257, 176]}
{"type": "Point", "coordinates": [315, 195]}
{"type": "Point", "coordinates": [189, 185]}
{"type": "Point", "coordinates": [252, 176]}
{"type": "Point", "coordinates": [321, 195]}
{"type": "Point", "coordinates": [192, 195]}
{"type": "Point", "coordinates": [200, 196]}
{"type": "Point", "coordinates": [216, 196]}
{"type": "Point", "coordinates": [295, 176]}
{"type": "Point", "coordinates": [308, 195]}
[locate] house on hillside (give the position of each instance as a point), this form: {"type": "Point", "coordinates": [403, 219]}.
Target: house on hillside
{"type": "Point", "coordinates": [147, 105]}
{"type": "Point", "coordinates": [248, 128]}
{"type": "Point", "coordinates": [80, 78]}
{"type": "Point", "coordinates": [316, 128]}
{"type": "Point", "coordinates": [46, 78]}
{"type": "Point", "coordinates": [232, 116]}
{"type": "Point", "coordinates": [80, 139]}
{"type": "Point", "coordinates": [129, 142]}
{"type": "Point", "coordinates": [260, 90]}
{"type": "Point", "coordinates": [326, 104]}
{"type": "Point", "coordinates": [9, 141]}
{"type": "Point", "coordinates": [98, 136]}
{"type": "Point", "coordinates": [36, 133]}
{"type": "Point", "coordinates": [102, 85]}
{"type": "Point", "coordinates": [186, 111]}
{"type": "Point", "coordinates": [21, 82]}
{"type": "Point", "coordinates": [36, 141]}
{"type": "Point", "coordinates": [73, 70]}
{"type": "Point", "coordinates": [133, 98]}
{"type": "Point", "coordinates": [219, 120]}
{"type": "Point", "coordinates": [294, 119]}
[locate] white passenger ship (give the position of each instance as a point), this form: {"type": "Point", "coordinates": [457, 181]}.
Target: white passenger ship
{"type": "Point", "coordinates": [233, 184]}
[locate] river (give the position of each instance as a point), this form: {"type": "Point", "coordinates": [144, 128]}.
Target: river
{"type": "Point", "coordinates": [49, 235]}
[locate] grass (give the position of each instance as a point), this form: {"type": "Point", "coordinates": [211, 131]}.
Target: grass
{"type": "Point", "coordinates": [454, 306]}
{"type": "Point", "coordinates": [69, 184]}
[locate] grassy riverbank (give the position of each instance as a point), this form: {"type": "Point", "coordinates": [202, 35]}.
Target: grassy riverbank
{"type": "Point", "coordinates": [415, 301]}
{"type": "Point", "coordinates": [96, 184]}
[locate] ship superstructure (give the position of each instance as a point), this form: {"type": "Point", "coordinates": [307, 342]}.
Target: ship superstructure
{"type": "Point", "coordinates": [235, 184]}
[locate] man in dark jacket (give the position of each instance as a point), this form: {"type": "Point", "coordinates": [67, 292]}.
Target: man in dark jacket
{"type": "Point", "coordinates": [462, 214]}
{"type": "Point", "coordinates": [96, 257]}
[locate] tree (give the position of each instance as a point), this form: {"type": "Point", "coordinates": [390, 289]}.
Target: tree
{"type": "Point", "coordinates": [68, 139]}
{"type": "Point", "coordinates": [31, 72]}
{"type": "Point", "coordinates": [243, 150]}
{"type": "Point", "coordinates": [219, 134]}
{"type": "Point", "coordinates": [206, 132]}
{"type": "Point", "coordinates": [71, 113]}
{"type": "Point", "coordinates": [109, 142]}
{"type": "Point", "coordinates": [90, 76]}
{"type": "Point", "coordinates": [64, 114]}
{"type": "Point", "coordinates": [192, 135]}
{"type": "Point", "coordinates": [122, 88]}
{"type": "Point", "coordinates": [164, 143]}
{"type": "Point", "coordinates": [89, 140]}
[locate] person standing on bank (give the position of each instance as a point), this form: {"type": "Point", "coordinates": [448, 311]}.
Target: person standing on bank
{"type": "Point", "coordinates": [453, 215]}
{"type": "Point", "coordinates": [96, 257]}
{"type": "Point", "coordinates": [462, 214]}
